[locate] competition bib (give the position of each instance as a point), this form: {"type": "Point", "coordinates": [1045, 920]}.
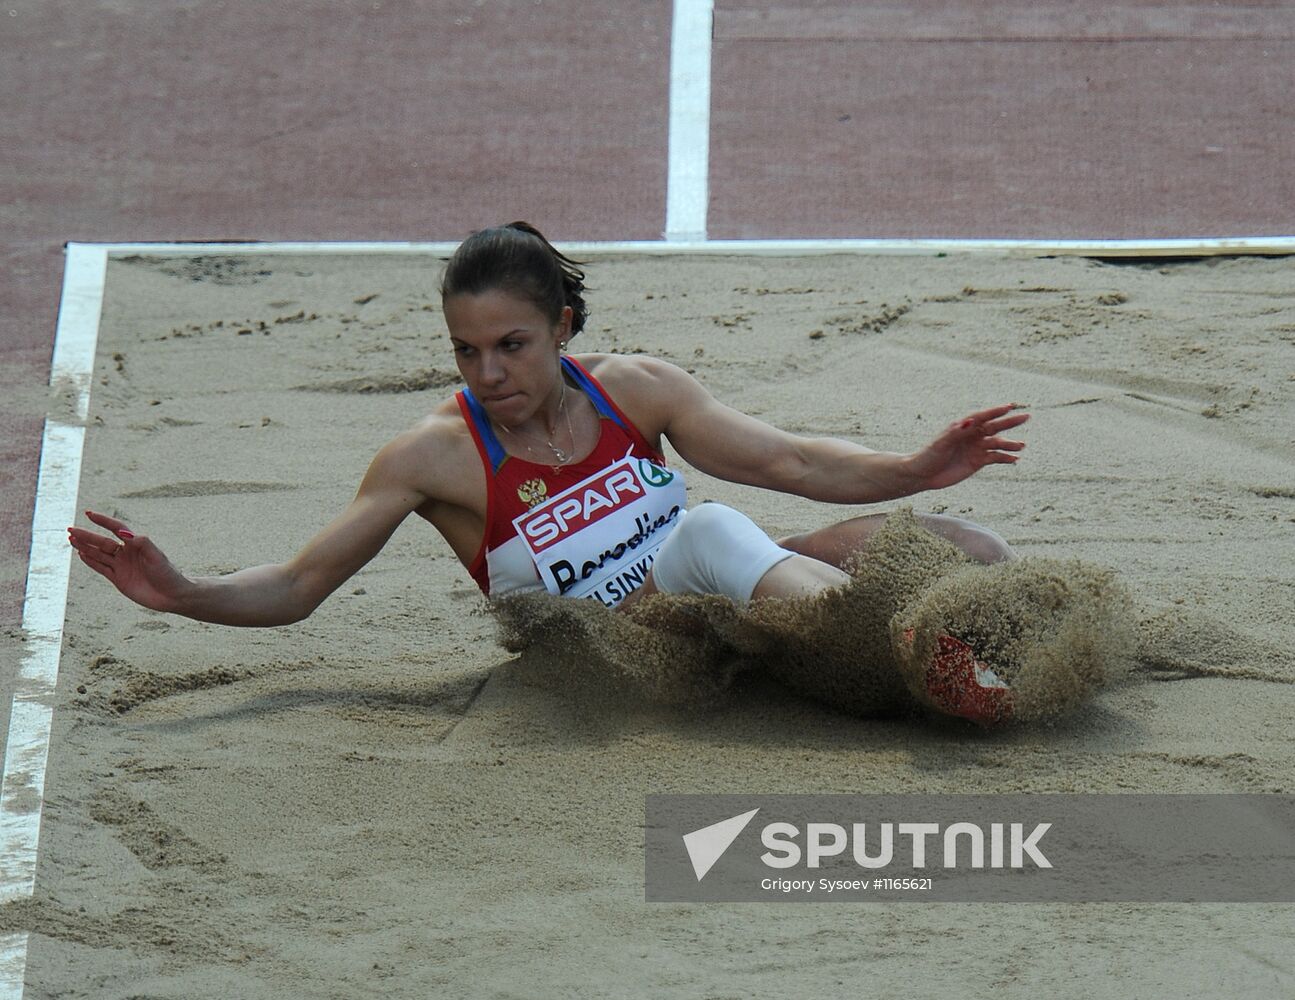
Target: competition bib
{"type": "Point", "coordinates": [598, 539]}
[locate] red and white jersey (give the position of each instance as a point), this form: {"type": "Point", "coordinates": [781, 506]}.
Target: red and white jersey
{"type": "Point", "coordinates": [589, 529]}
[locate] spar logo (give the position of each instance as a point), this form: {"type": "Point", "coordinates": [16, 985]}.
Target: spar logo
{"type": "Point", "coordinates": [584, 504]}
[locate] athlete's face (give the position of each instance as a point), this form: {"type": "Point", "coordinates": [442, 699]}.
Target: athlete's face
{"type": "Point", "coordinates": [507, 352]}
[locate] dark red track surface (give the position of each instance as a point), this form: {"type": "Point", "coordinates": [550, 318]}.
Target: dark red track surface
{"type": "Point", "coordinates": [126, 120]}
{"type": "Point", "coordinates": [1011, 119]}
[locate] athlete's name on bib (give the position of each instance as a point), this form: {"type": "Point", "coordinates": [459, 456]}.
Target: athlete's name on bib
{"type": "Point", "coordinates": [566, 576]}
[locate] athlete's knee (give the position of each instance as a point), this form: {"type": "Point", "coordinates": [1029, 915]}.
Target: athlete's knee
{"type": "Point", "coordinates": [715, 550]}
{"type": "Point", "coordinates": [984, 545]}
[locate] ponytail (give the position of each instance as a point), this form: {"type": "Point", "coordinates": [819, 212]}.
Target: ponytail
{"type": "Point", "coordinates": [517, 259]}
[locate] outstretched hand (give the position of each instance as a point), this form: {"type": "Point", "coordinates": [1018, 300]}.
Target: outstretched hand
{"type": "Point", "coordinates": [133, 564]}
{"type": "Point", "coordinates": [966, 446]}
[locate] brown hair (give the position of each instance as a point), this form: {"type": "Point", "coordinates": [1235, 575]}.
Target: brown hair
{"type": "Point", "coordinates": [517, 259]}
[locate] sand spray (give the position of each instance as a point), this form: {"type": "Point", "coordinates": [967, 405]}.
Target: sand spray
{"type": "Point", "coordinates": [1055, 631]}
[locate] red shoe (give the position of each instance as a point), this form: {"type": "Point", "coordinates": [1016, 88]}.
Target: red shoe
{"type": "Point", "coordinates": [962, 685]}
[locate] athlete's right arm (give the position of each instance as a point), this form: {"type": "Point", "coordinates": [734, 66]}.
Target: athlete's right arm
{"type": "Point", "coordinates": [276, 594]}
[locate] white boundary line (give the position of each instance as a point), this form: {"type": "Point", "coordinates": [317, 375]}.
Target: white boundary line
{"type": "Point", "coordinates": [1199, 247]}
{"type": "Point", "coordinates": [688, 150]}
{"type": "Point", "coordinates": [22, 783]}
{"type": "Point", "coordinates": [22, 786]}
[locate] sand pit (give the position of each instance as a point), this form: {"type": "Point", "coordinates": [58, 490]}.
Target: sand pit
{"type": "Point", "coordinates": [383, 801]}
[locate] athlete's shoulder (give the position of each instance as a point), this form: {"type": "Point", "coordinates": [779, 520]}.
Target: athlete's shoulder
{"type": "Point", "coordinates": [443, 426]}
{"type": "Point", "coordinates": [649, 390]}
{"type": "Point", "coordinates": [633, 373]}
{"type": "Point", "coordinates": [442, 433]}
{"type": "Point", "coordinates": [433, 454]}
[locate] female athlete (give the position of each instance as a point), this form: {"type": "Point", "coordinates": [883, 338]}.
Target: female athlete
{"type": "Point", "coordinates": [547, 472]}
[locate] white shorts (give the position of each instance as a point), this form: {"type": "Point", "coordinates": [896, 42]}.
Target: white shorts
{"type": "Point", "coordinates": [715, 550]}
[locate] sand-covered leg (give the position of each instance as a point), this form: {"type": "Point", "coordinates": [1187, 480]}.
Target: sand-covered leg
{"type": "Point", "coordinates": [842, 543]}
{"type": "Point", "coordinates": [1023, 640]}
{"type": "Point", "coordinates": [918, 624]}
{"type": "Point", "coordinates": [836, 647]}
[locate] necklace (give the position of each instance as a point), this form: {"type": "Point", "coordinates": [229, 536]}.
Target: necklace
{"type": "Point", "coordinates": [563, 457]}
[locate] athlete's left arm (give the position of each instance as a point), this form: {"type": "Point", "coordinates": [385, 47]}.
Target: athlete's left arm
{"type": "Point", "coordinates": [732, 445]}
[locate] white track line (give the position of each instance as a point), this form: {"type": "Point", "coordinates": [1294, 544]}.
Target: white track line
{"type": "Point", "coordinates": [688, 154]}
{"type": "Point", "coordinates": [22, 786]}
{"type": "Point", "coordinates": [1205, 246]}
